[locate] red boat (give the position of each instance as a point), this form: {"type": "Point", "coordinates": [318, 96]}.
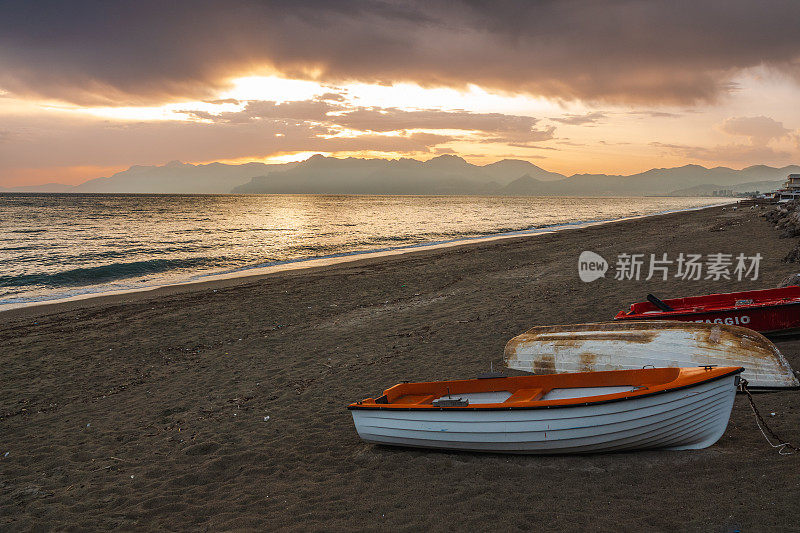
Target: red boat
{"type": "Point", "coordinates": [768, 311]}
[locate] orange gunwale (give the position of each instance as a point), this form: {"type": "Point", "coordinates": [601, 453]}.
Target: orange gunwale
{"type": "Point", "coordinates": [526, 391]}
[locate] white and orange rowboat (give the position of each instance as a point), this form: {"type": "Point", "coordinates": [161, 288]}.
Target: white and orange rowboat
{"type": "Point", "coordinates": [584, 412]}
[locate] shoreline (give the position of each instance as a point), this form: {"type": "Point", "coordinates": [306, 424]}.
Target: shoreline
{"type": "Point", "coordinates": [248, 274]}
{"type": "Point", "coordinates": [225, 408]}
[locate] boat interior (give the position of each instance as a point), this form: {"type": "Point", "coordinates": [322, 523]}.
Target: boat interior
{"type": "Point", "coordinates": [722, 301]}
{"type": "Point", "coordinates": [541, 390]}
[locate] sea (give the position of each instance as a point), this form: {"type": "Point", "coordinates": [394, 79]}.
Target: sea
{"type": "Point", "coordinates": [66, 246]}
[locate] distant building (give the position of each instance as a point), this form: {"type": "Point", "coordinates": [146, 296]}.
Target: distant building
{"type": "Point", "coordinates": [789, 191]}
{"type": "Point", "coordinates": [722, 192]}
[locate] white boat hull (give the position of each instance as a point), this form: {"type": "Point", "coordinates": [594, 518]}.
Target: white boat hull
{"type": "Point", "coordinates": [691, 418]}
{"type": "Point", "coordinates": [634, 345]}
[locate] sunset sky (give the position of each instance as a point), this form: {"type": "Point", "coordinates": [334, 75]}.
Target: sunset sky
{"type": "Point", "coordinates": [91, 88]}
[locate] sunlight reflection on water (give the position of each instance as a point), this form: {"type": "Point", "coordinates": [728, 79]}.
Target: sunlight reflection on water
{"type": "Point", "coordinates": [52, 246]}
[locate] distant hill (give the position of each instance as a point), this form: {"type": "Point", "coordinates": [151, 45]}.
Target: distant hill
{"type": "Point", "coordinates": [174, 177]}
{"type": "Point", "coordinates": [47, 187]}
{"type": "Point", "coordinates": [446, 174]}
{"type": "Point", "coordinates": [663, 181]}
{"type": "Point", "coordinates": [177, 177]}
{"type": "Point", "coordinates": [453, 175]}
{"type": "Point", "coordinates": [509, 169]}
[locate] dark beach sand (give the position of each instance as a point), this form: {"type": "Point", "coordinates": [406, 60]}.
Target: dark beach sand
{"type": "Point", "coordinates": [147, 411]}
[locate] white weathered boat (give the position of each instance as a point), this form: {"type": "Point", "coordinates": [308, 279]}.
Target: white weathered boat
{"type": "Point", "coordinates": [586, 412]}
{"type": "Point", "coordinates": [631, 345]}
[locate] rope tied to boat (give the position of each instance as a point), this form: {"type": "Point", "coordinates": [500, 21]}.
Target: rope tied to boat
{"type": "Point", "coordinates": [784, 448]}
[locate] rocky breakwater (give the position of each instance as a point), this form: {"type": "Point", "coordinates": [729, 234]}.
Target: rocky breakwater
{"type": "Point", "coordinates": [786, 218]}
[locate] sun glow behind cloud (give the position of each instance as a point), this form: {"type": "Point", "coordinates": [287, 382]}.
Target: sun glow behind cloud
{"type": "Point", "coordinates": [173, 111]}
{"type": "Point", "coordinates": [273, 88]}
{"type": "Point", "coordinates": [475, 99]}
{"type": "Point", "coordinates": [642, 87]}
{"type": "Point", "coordinates": [588, 137]}
{"type": "Point", "coordinates": [294, 157]}
{"type": "Point", "coordinates": [405, 96]}
{"type": "Point", "coordinates": [343, 99]}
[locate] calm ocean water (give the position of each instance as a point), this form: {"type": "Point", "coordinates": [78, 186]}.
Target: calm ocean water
{"type": "Point", "coordinates": [55, 246]}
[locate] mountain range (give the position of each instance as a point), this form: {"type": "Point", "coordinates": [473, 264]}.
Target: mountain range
{"type": "Point", "coordinates": [173, 178]}
{"type": "Point", "coordinates": [446, 174]}
{"type": "Point", "coordinates": [450, 174]}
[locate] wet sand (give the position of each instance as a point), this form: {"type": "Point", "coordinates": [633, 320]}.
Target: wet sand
{"type": "Point", "coordinates": [148, 410]}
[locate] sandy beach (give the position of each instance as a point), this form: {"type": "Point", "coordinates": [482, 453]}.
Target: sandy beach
{"type": "Point", "coordinates": [222, 405]}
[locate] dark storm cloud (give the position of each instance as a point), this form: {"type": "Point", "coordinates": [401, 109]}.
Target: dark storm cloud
{"type": "Point", "coordinates": [629, 51]}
